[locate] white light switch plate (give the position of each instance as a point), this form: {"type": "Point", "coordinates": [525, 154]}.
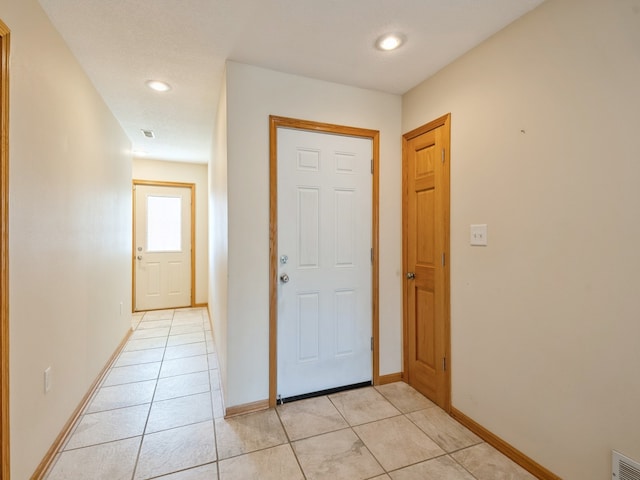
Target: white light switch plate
{"type": "Point", "coordinates": [479, 235]}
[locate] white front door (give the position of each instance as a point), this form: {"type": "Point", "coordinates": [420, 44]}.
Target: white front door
{"type": "Point", "coordinates": [324, 243]}
{"type": "Point", "coordinates": [162, 255]}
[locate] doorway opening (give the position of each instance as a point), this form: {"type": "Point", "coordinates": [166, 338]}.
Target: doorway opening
{"type": "Point", "coordinates": [306, 249]}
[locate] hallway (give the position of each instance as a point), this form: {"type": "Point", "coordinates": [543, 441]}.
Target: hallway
{"type": "Point", "coordinates": [158, 414]}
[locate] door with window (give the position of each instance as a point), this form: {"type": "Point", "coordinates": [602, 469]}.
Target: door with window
{"type": "Point", "coordinates": [162, 246]}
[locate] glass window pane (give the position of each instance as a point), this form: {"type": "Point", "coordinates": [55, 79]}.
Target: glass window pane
{"type": "Point", "coordinates": [164, 219]}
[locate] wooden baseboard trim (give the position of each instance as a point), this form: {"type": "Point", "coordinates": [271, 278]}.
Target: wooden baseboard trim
{"type": "Point", "coordinates": [46, 462]}
{"type": "Point", "coordinates": [390, 378]}
{"type": "Point", "coordinates": [201, 305]}
{"type": "Point", "coordinates": [246, 408]}
{"type": "Point", "coordinates": [499, 444]}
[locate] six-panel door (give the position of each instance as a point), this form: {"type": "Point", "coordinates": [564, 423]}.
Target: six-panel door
{"type": "Point", "coordinates": [324, 243]}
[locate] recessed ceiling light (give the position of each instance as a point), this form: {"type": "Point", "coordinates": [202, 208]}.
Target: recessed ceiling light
{"type": "Point", "coordinates": [158, 86]}
{"type": "Point", "coordinates": [390, 41]}
{"type": "Point", "coordinates": [148, 133]}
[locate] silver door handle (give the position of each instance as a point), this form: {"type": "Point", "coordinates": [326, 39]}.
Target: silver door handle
{"type": "Point", "coordinates": [139, 257]}
{"type": "Point", "coordinates": [284, 278]}
{"type": "Point", "coordinates": [411, 276]}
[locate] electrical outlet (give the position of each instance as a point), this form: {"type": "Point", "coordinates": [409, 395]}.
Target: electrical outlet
{"type": "Point", "coordinates": [47, 380]}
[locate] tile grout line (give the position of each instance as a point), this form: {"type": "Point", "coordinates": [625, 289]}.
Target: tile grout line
{"type": "Point", "coordinates": [461, 465]}
{"type": "Point", "coordinates": [448, 454]}
{"type": "Point", "coordinates": [290, 443]}
{"type": "Point", "coordinates": [356, 434]}
{"type": "Point", "coordinates": [212, 420]}
{"type": "Point", "coordinates": [213, 415]}
{"type": "Point", "coordinates": [368, 450]}
{"type": "Point", "coordinates": [135, 465]}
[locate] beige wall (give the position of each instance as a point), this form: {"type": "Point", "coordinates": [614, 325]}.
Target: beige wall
{"type": "Point", "coordinates": [252, 95]}
{"type": "Point", "coordinates": [70, 233]}
{"type": "Point", "coordinates": [149, 169]}
{"type": "Point", "coordinates": [545, 321]}
{"type": "Point", "coordinates": [219, 234]}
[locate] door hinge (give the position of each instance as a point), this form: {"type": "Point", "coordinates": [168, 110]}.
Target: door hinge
{"type": "Point", "coordinates": [372, 344]}
{"type": "Point", "coordinates": [443, 260]}
{"type": "Point", "coordinates": [372, 166]}
{"type": "Point", "coordinates": [372, 256]}
{"type": "Point", "coordinates": [444, 364]}
{"type": "Point", "coordinates": [443, 155]}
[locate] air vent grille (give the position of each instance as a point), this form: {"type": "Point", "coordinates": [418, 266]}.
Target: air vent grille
{"type": "Point", "coordinates": [624, 468]}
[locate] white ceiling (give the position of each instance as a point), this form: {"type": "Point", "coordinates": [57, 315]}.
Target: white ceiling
{"type": "Point", "coordinates": [123, 43]}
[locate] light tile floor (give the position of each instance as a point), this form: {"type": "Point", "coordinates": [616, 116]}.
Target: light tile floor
{"type": "Point", "coordinates": [158, 414]}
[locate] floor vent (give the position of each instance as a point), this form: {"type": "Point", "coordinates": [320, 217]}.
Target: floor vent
{"type": "Point", "coordinates": [624, 468]}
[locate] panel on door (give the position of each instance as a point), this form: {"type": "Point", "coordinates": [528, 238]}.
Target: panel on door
{"type": "Point", "coordinates": [162, 247]}
{"type": "Point", "coordinates": [426, 244]}
{"type": "Point", "coordinates": [324, 242]}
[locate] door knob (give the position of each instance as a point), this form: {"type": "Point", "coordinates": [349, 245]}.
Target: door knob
{"type": "Point", "coordinates": [411, 276]}
{"type": "Point", "coordinates": [139, 257]}
{"type": "Point", "coordinates": [284, 278]}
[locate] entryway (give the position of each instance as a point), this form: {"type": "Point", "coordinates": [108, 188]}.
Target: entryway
{"type": "Point", "coordinates": [164, 256]}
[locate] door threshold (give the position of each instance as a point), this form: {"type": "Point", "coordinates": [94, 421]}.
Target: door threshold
{"type": "Point", "coordinates": [321, 393]}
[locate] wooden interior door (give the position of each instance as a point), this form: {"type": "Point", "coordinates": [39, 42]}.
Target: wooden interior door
{"type": "Point", "coordinates": [426, 260]}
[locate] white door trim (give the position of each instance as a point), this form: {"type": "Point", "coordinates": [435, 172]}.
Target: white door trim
{"type": "Point", "coordinates": [282, 122]}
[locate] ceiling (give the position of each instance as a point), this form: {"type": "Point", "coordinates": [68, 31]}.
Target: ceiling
{"type": "Point", "coordinates": [123, 43]}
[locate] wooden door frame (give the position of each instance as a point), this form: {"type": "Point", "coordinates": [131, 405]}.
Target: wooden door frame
{"type": "Point", "coordinates": [4, 250]}
{"type": "Point", "coordinates": [444, 121]}
{"type": "Point", "coordinates": [154, 183]}
{"type": "Point", "coordinates": [283, 122]}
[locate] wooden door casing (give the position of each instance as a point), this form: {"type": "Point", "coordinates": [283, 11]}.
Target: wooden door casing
{"type": "Point", "coordinates": [4, 250]}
